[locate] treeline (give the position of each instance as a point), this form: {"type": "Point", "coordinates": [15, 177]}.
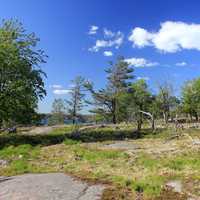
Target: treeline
{"type": "Point", "coordinates": [125, 99]}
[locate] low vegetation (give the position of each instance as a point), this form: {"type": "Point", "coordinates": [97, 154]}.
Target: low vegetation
{"type": "Point", "coordinates": [147, 167]}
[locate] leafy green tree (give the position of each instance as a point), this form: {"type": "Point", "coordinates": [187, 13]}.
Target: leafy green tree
{"type": "Point", "coordinates": [191, 98]}
{"type": "Point", "coordinates": [106, 100]}
{"type": "Point", "coordinates": [138, 102]}
{"type": "Point", "coordinates": [21, 78]}
{"type": "Point", "coordinates": [76, 101]}
{"type": "Point", "coordinates": [58, 112]}
{"type": "Point", "coordinates": [165, 100]}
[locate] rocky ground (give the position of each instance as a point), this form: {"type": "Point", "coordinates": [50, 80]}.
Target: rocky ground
{"type": "Point", "coordinates": [51, 186]}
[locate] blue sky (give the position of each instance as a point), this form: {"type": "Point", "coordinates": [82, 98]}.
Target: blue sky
{"type": "Point", "coordinates": [160, 38]}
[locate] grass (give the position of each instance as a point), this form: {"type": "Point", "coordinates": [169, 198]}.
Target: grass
{"type": "Point", "coordinates": [146, 169]}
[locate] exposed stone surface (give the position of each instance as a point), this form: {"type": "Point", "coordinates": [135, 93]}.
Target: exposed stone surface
{"type": "Point", "coordinates": [52, 186]}
{"type": "Point", "coordinates": [123, 145]}
{"type": "Point", "coordinates": [175, 185]}
{"type": "Point", "coordinates": [3, 163]}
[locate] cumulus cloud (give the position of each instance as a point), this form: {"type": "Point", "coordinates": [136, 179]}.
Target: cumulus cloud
{"type": "Point", "coordinates": [140, 62]}
{"type": "Point", "coordinates": [115, 41]}
{"type": "Point", "coordinates": [140, 37]}
{"type": "Point", "coordinates": [171, 37]}
{"type": "Point", "coordinates": [181, 64]}
{"type": "Point", "coordinates": [93, 30]}
{"type": "Point", "coordinates": [107, 53]}
{"type": "Point", "coordinates": [61, 91]}
{"type": "Point", "coordinates": [146, 78]}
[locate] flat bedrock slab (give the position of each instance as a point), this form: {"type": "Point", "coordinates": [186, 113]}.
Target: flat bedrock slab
{"type": "Point", "coordinates": [123, 145]}
{"type": "Point", "coordinates": [51, 186]}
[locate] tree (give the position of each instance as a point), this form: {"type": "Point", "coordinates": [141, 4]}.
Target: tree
{"type": "Point", "coordinates": [21, 79]}
{"type": "Point", "coordinates": [58, 111]}
{"type": "Point", "coordinates": [138, 103]}
{"type": "Point", "coordinates": [191, 98]}
{"type": "Point", "coordinates": [164, 98]}
{"type": "Point", "coordinates": [75, 104]}
{"type": "Point", "coordinates": [106, 100]}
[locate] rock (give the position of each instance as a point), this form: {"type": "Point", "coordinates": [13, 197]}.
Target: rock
{"type": "Point", "coordinates": [175, 185]}
{"type": "Point", "coordinates": [3, 163]}
{"type": "Point", "coordinates": [123, 145]}
{"type": "Point", "coordinates": [52, 186]}
{"type": "Point", "coordinates": [196, 142]}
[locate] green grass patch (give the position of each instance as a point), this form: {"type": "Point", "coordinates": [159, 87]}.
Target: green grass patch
{"type": "Point", "coordinates": [24, 151]}
{"type": "Point", "coordinates": [151, 185]}
{"type": "Point", "coordinates": [71, 142]}
{"type": "Point", "coordinates": [82, 153]}
{"type": "Point", "coordinates": [147, 161]}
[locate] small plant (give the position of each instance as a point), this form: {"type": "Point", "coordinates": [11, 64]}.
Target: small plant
{"type": "Point", "coordinates": [70, 142]}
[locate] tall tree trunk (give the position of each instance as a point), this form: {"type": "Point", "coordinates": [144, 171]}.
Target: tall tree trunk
{"type": "Point", "coordinates": [74, 117]}
{"type": "Point", "coordinates": [139, 122]}
{"type": "Point", "coordinates": [153, 124]}
{"type": "Point", "coordinates": [190, 117]}
{"type": "Point", "coordinates": [196, 117]}
{"type": "Point", "coordinates": [74, 113]}
{"type": "Point", "coordinates": [139, 125]}
{"type": "Point", "coordinates": [165, 117]}
{"type": "Point", "coordinates": [114, 117]}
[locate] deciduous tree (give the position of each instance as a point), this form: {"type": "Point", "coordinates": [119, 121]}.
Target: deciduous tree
{"type": "Point", "coordinates": [21, 78]}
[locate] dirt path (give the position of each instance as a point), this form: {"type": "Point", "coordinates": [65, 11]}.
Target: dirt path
{"type": "Point", "coordinates": [52, 186]}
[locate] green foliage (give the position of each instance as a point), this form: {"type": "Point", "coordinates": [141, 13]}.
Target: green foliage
{"type": "Point", "coordinates": [191, 97]}
{"type": "Point", "coordinates": [182, 162]}
{"type": "Point", "coordinates": [70, 142]}
{"type": "Point", "coordinates": [21, 82]}
{"type": "Point", "coordinates": [136, 102]}
{"type": "Point", "coordinates": [76, 102]}
{"type": "Point", "coordinates": [58, 110]}
{"type": "Point", "coordinates": [23, 151]}
{"type": "Point", "coordinates": [166, 102]}
{"type": "Point", "coordinates": [106, 100]}
{"type": "Point", "coordinates": [147, 162]}
{"type": "Point", "coordinates": [151, 186]}
{"type": "Point", "coordinates": [96, 155]}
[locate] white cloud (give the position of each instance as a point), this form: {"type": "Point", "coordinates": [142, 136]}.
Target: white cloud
{"type": "Point", "coordinates": [108, 33]}
{"type": "Point", "coordinates": [181, 64]}
{"type": "Point", "coordinates": [171, 37]}
{"type": "Point", "coordinates": [146, 78]}
{"type": "Point", "coordinates": [107, 53]}
{"type": "Point", "coordinates": [55, 86]}
{"type": "Point", "coordinates": [141, 62]}
{"type": "Point", "coordinates": [116, 41]}
{"type": "Point", "coordinates": [140, 37]}
{"type": "Point", "coordinates": [61, 91]}
{"type": "Point", "coordinates": [93, 30]}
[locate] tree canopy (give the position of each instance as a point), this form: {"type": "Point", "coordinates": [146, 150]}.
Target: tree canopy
{"type": "Point", "coordinates": [21, 78]}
